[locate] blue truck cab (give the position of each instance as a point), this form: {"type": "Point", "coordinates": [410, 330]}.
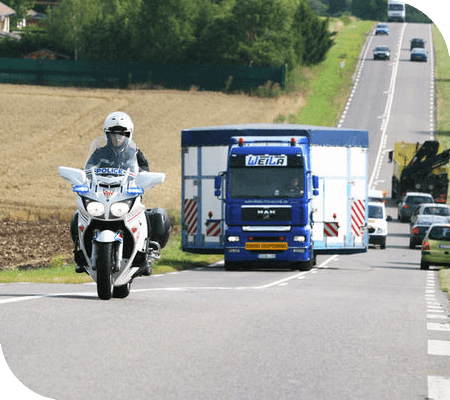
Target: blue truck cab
{"type": "Point", "coordinates": [268, 193]}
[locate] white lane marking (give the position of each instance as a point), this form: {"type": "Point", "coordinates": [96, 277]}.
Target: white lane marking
{"type": "Point", "coordinates": [355, 83]}
{"type": "Point", "coordinates": [280, 282]}
{"type": "Point", "coordinates": [41, 296]}
{"type": "Point", "coordinates": [437, 326]}
{"type": "Point", "coordinates": [436, 316]}
{"type": "Point", "coordinates": [438, 387]}
{"type": "Point", "coordinates": [439, 347]}
{"type": "Point", "coordinates": [387, 113]}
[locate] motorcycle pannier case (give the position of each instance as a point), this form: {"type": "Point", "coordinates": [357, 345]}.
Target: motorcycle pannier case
{"type": "Point", "coordinates": [159, 225]}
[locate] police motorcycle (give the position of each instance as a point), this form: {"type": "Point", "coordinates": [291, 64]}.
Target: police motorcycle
{"type": "Point", "coordinates": [115, 234]}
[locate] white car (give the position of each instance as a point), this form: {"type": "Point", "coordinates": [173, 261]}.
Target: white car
{"type": "Point", "coordinates": [378, 227]}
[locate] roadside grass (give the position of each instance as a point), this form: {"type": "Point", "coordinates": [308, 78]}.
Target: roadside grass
{"type": "Point", "coordinates": [329, 86]}
{"type": "Point", "coordinates": [442, 79]}
{"type": "Point", "coordinates": [444, 280]}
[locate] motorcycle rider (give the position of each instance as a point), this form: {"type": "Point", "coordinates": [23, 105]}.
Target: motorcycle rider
{"type": "Point", "coordinates": [118, 129]}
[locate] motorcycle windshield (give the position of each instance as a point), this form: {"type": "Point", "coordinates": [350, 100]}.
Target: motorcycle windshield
{"type": "Point", "coordinates": [109, 160]}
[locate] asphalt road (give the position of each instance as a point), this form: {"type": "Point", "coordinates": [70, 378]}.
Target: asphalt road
{"type": "Point", "coordinates": [368, 326]}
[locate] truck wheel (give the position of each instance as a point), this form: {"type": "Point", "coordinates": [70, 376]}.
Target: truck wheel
{"type": "Point", "coordinates": [105, 262]}
{"type": "Point", "coordinates": [383, 244]}
{"type": "Point", "coordinates": [231, 265]}
{"type": "Point", "coordinates": [411, 244]}
{"type": "Point", "coordinates": [305, 265]}
{"type": "Point", "coordinates": [424, 265]}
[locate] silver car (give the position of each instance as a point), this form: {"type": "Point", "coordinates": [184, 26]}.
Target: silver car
{"type": "Point", "coordinates": [381, 53]}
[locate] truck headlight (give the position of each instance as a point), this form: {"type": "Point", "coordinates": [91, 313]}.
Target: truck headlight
{"type": "Point", "coordinates": [233, 239]}
{"type": "Point", "coordinates": [95, 208]}
{"type": "Point", "coordinates": [301, 239]}
{"type": "Point", "coordinates": [119, 209]}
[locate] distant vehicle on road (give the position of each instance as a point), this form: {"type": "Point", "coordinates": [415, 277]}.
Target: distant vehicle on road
{"type": "Point", "coordinates": [417, 43]}
{"type": "Point", "coordinates": [420, 227]}
{"type": "Point", "coordinates": [436, 246]}
{"type": "Point", "coordinates": [431, 209]}
{"type": "Point", "coordinates": [381, 53]}
{"type": "Point", "coordinates": [418, 54]}
{"type": "Point", "coordinates": [378, 227]}
{"type": "Point", "coordinates": [382, 29]}
{"type": "Point", "coordinates": [410, 203]}
{"type": "Point", "coordinates": [396, 11]}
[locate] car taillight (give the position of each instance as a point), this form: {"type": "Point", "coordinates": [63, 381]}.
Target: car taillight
{"type": "Point", "coordinates": [425, 246]}
{"type": "Point", "coordinates": [415, 230]}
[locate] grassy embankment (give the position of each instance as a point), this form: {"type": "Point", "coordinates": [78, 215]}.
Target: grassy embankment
{"type": "Point", "coordinates": [443, 116]}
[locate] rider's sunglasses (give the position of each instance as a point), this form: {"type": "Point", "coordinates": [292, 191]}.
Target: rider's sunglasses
{"type": "Point", "coordinates": [124, 133]}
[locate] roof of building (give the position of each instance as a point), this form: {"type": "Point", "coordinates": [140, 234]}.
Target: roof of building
{"type": "Point", "coordinates": [5, 10]}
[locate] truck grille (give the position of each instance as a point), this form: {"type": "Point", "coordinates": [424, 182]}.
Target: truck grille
{"type": "Point", "coordinates": [266, 213]}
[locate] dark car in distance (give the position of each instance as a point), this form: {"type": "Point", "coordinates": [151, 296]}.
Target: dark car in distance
{"type": "Point", "coordinates": [417, 43]}
{"type": "Point", "coordinates": [411, 202]}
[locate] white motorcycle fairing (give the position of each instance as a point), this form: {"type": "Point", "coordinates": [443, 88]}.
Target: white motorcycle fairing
{"type": "Point", "coordinates": [112, 224]}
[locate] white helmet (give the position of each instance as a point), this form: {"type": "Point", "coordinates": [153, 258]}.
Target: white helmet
{"type": "Point", "coordinates": [118, 122]}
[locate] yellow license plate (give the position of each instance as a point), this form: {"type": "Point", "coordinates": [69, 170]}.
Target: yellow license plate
{"type": "Point", "coordinates": [266, 246]}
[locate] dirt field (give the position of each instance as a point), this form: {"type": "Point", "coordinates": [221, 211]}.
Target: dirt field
{"type": "Point", "coordinates": [43, 128]}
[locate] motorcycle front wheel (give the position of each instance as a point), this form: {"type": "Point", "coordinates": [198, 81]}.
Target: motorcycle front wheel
{"type": "Point", "coordinates": [105, 262]}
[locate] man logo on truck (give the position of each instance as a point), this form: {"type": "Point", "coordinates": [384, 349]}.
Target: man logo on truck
{"type": "Point", "coordinates": [266, 213]}
{"type": "Point", "coordinates": [266, 161]}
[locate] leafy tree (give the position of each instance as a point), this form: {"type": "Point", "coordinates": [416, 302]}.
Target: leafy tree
{"type": "Point", "coordinates": [252, 33]}
{"type": "Point", "coordinates": [164, 29]}
{"type": "Point", "coordinates": [336, 7]}
{"type": "Point", "coordinates": [313, 38]}
{"type": "Point", "coordinates": [65, 23]}
{"type": "Point", "coordinates": [369, 9]}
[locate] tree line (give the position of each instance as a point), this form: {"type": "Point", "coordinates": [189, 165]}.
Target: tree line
{"type": "Point", "coordinates": [364, 9]}
{"type": "Point", "coordinates": [247, 33]}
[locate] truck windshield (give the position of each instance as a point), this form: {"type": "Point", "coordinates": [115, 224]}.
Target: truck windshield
{"type": "Point", "coordinates": [267, 182]}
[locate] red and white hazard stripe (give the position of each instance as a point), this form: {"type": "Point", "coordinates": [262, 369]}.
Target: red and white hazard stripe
{"type": "Point", "coordinates": [191, 216]}
{"type": "Point", "coordinates": [331, 229]}
{"type": "Point", "coordinates": [213, 228]}
{"type": "Point", "coordinates": [358, 217]}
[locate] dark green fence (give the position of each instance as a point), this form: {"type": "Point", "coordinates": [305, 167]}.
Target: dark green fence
{"type": "Point", "coordinates": [121, 74]}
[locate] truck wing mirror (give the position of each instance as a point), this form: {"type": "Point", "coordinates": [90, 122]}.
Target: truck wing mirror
{"type": "Point", "coordinates": [391, 155]}
{"type": "Point", "coordinates": [315, 182]}
{"type": "Point", "coordinates": [217, 185]}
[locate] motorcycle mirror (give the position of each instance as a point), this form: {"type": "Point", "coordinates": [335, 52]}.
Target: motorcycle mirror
{"type": "Point", "coordinates": [148, 180]}
{"type": "Point", "coordinates": [74, 175]}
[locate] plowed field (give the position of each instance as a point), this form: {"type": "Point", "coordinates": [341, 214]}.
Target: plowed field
{"type": "Point", "coordinates": [42, 128]}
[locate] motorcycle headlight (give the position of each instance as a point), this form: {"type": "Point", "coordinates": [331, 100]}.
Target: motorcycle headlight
{"type": "Point", "coordinates": [95, 208]}
{"type": "Point", "coordinates": [119, 209]}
